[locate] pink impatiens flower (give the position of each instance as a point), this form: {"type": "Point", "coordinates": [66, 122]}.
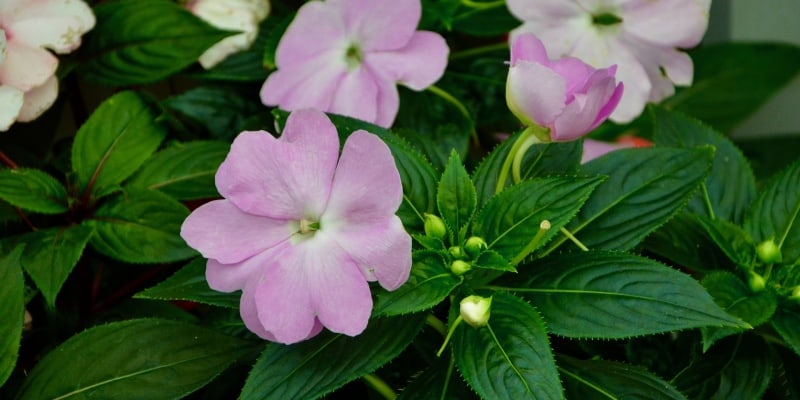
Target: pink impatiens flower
{"type": "Point", "coordinates": [301, 231]}
{"type": "Point", "coordinates": [31, 29]}
{"type": "Point", "coordinates": [566, 96]}
{"type": "Point", "coordinates": [346, 57]}
{"type": "Point", "coordinates": [641, 37]}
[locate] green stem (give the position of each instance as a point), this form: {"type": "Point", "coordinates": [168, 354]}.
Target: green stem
{"type": "Point", "coordinates": [544, 227]}
{"type": "Point", "coordinates": [520, 146]}
{"type": "Point", "coordinates": [449, 335]}
{"type": "Point", "coordinates": [380, 386]}
{"type": "Point", "coordinates": [450, 367]}
{"type": "Point", "coordinates": [476, 51]}
{"type": "Point", "coordinates": [523, 148]}
{"type": "Point", "coordinates": [575, 240]}
{"type": "Point", "coordinates": [458, 105]}
{"type": "Point", "coordinates": [481, 5]}
{"type": "Point", "coordinates": [707, 200]}
{"type": "Point", "coordinates": [437, 324]}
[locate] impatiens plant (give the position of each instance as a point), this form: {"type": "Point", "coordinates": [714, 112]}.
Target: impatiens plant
{"type": "Point", "coordinates": [222, 205]}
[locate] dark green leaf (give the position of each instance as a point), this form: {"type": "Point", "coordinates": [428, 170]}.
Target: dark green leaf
{"type": "Point", "coordinates": [33, 190]}
{"type": "Point", "coordinates": [456, 194]}
{"type": "Point", "coordinates": [685, 241]}
{"type": "Point", "coordinates": [190, 284]}
{"type": "Point", "coordinates": [310, 369]}
{"type": "Point", "coordinates": [600, 379]}
{"type": "Point", "coordinates": [429, 283]}
{"type": "Point", "coordinates": [730, 186]}
{"type": "Point", "coordinates": [50, 256]}
{"type": "Point", "coordinates": [768, 155]}
{"type": "Point", "coordinates": [510, 358]}
{"type": "Point", "coordinates": [428, 242]}
{"type": "Point", "coordinates": [731, 80]}
{"type": "Point", "coordinates": [731, 239]}
{"type": "Point", "coordinates": [138, 359]}
{"type": "Point", "coordinates": [223, 110]}
{"type": "Point", "coordinates": [184, 171]}
{"type": "Point", "coordinates": [511, 220]}
{"type": "Point", "coordinates": [495, 21]}
{"type": "Point", "coordinates": [737, 368]}
{"type": "Point", "coordinates": [733, 295]}
{"type": "Point", "coordinates": [116, 140]}
{"type": "Point", "coordinates": [12, 311]}
{"type": "Point", "coordinates": [143, 41]}
{"type": "Point", "coordinates": [492, 260]}
{"type": "Point", "coordinates": [786, 379]}
{"type": "Point", "coordinates": [645, 188]}
{"type": "Point", "coordinates": [432, 382]}
{"type": "Point", "coordinates": [617, 295]}
{"type": "Point", "coordinates": [140, 226]}
{"type": "Point", "coordinates": [776, 213]}
{"type": "Point", "coordinates": [785, 321]}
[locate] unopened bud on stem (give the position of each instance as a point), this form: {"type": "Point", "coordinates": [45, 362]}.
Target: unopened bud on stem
{"type": "Point", "coordinates": [769, 252]}
{"type": "Point", "coordinates": [434, 226]}
{"type": "Point", "coordinates": [459, 267]}
{"type": "Point", "coordinates": [475, 245]}
{"type": "Point", "coordinates": [476, 310]}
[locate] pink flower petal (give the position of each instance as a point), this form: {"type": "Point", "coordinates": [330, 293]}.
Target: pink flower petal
{"type": "Point", "coordinates": [26, 67]}
{"type": "Point", "coordinates": [580, 115]}
{"type": "Point", "coordinates": [317, 28]}
{"type": "Point", "coordinates": [594, 148]}
{"type": "Point", "coordinates": [380, 25]}
{"type": "Point", "coordinates": [543, 9]}
{"type": "Point", "coordinates": [357, 95]}
{"type": "Point", "coordinates": [308, 85]}
{"type": "Point", "coordinates": [53, 24]}
{"type": "Point", "coordinates": [221, 231]}
{"type": "Point", "coordinates": [417, 65]}
{"type": "Point", "coordinates": [287, 178]}
{"type": "Point", "coordinates": [527, 47]}
{"type": "Point", "coordinates": [388, 103]}
{"type": "Point", "coordinates": [38, 100]}
{"type": "Point", "coordinates": [674, 23]}
{"type": "Point", "coordinates": [248, 309]}
{"type": "Point", "coordinates": [11, 98]}
{"type": "Point", "coordinates": [535, 92]}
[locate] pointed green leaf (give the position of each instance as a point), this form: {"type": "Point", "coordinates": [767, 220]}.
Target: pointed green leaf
{"type": "Point", "coordinates": [430, 282]}
{"type": "Point", "coordinates": [737, 368]}
{"type": "Point", "coordinates": [600, 379]}
{"type": "Point", "coordinates": [12, 311]}
{"type": "Point", "coordinates": [116, 140]}
{"type": "Point", "coordinates": [786, 378]}
{"type": "Point", "coordinates": [731, 239]}
{"type": "Point", "coordinates": [222, 110]}
{"type": "Point", "coordinates": [184, 171]}
{"type": "Point", "coordinates": [140, 226]}
{"type": "Point", "coordinates": [510, 358]}
{"type": "Point", "coordinates": [786, 321]}
{"type": "Point", "coordinates": [310, 369]}
{"type": "Point", "coordinates": [733, 295]}
{"type": "Point", "coordinates": [489, 259]}
{"type": "Point", "coordinates": [729, 170]}
{"type": "Point", "coordinates": [685, 241]}
{"type": "Point", "coordinates": [138, 359]}
{"type": "Point", "coordinates": [33, 190]}
{"type": "Point", "coordinates": [432, 382]}
{"type": "Point", "coordinates": [645, 188]}
{"type": "Point", "coordinates": [455, 196]}
{"type": "Point", "coordinates": [617, 295]}
{"type": "Point", "coordinates": [190, 284]}
{"type": "Point", "coordinates": [50, 256]}
{"type": "Point", "coordinates": [511, 220]}
{"type": "Point", "coordinates": [137, 42]}
{"type": "Point", "coordinates": [776, 213]}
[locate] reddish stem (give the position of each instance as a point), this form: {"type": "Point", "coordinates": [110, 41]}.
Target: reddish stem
{"type": "Point", "coordinates": [8, 161]}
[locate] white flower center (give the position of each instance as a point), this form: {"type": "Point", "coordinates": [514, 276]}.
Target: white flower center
{"type": "Point", "coordinates": [353, 56]}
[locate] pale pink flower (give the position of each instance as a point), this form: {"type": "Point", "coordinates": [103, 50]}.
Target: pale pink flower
{"type": "Point", "coordinates": [11, 98]}
{"type": "Point", "coordinates": [567, 96]}
{"type": "Point", "coordinates": [346, 57]}
{"type": "Point", "coordinates": [32, 27]}
{"type": "Point", "coordinates": [594, 148]}
{"type": "Point", "coordinates": [233, 15]}
{"type": "Point", "coordinates": [301, 233]}
{"type": "Point", "coordinates": [641, 37]}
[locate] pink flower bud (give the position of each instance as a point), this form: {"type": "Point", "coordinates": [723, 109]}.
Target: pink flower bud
{"type": "Point", "coordinates": [566, 96]}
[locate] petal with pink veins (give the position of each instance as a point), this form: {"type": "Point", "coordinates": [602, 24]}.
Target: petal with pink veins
{"type": "Point", "coordinates": [379, 25]}
{"type": "Point", "coordinates": [674, 23]}
{"type": "Point", "coordinates": [535, 92]}
{"type": "Point", "coordinates": [357, 95]}
{"type": "Point", "coordinates": [544, 9]}
{"type": "Point", "coordinates": [318, 28]}
{"type": "Point", "coordinates": [310, 84]}
{"type": "Point", "coordinates": [417, 65]}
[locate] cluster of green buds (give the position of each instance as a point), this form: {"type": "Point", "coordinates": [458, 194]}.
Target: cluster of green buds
{"type": "Point", "coordinates": [463, 255]}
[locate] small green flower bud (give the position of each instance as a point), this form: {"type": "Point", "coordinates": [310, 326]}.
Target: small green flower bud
{"type": "Point", "coordinates": [434, 226]}
{"type": "Point", "coordinates": [475, 310]}
{"type": "Point", "coordinates": [769, 252]}
{"type": "Point", "coordinates": [756, 282]}
{"type": "Point", "coordinates": [459, 267]}
{"type": "Point", "coordinates": [456, 251]}
{"type": "Point", "coordinates": [475, 245]}
{"type": "Point", "coordinates": [795, 293]}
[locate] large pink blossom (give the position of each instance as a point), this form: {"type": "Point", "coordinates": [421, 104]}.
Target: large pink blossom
{"type": "Point", "coordinates": [235, 15]}
{"type": "Point", "coordinates": [642, 37]}
{"type": "Point", "coordinates": [32, 27]}
{"type": "Point", "coordinates": [301, 231]}
{"type": "Point", "coordinates": [346, 57]}
{"type": "Point", "coordinates": [566, 96]}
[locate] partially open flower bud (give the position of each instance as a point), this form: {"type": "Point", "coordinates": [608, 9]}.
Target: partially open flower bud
{"type": "Point", "coordinates": [475, 245]}
{"type": "Point", "coordinates": [756, 282]}
{"type": "Point", "coordinates": [459, 267]}
{"type": "Point", "coordinates": [769, 252]}
{"type": "Point", "coordinates": [475, 310]}
{"type": "Point", "coordinates": [434, 227]}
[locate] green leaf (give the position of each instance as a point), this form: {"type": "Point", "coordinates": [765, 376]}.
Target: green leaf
{"type": "Point", "coordinates": [223, 110]}
{"type": "Point", "coordinates": [733, 295]}
{"type": "Point", "coordinates": [786, 378]}
{"type": "Point", "coordinates": [785, 321]}
{"type": "Point", "coordinates": [116, 140]}
{"type": "Point", "coordinates": [50, 256]}
{"type": "Point", "coordinates": [429, 283]}
{"type": "Point", "coordinates": [600, 379]}
{"type": "Point", "coordinates": [140, 226]}
{"type": "Point", "coordinates": [137, 359]}
{"type": "Point", "coordinates": [731, 185]}
{"type": "Point", "coordinates": [776, 213]}
{"type": "Point", "coordinates": [768, 155]}
{"type": "Point", "coordinates": [456, 196]}
{"type": "Point", "coordinates": [645, 188]}
{"type": "Point", "coordinates": [617, 295]}
{"type": "Point", "coordinates": [511, 220]}
{"type": "Point", "coordinates": [136, 42]}
{"type": "Point", "coordinates": [737, 368]}
{"type": "Point", "coordinates": [510, 358]}
{"type": "Point", "coordinates": [12, 311]}
{"type": "Point", "coordinates": [433, 381]}
{"type": "Point", "coordinates": [33, 190]}
{"type": "Point", "coordinates": [184, 171]}
{"type": "Point", "coordinates": [310, 369]}
{"type": "Point", "coordinates": [190, 284]}
{"type": "Point", "coordinates": [685, 241]}
{"type": "Point", "coordinates": [489, 259]}
{"type": "Point", "coordinates": [495, 21]}
{"type": "Point", "coordinates": [731, 239]}
{"type": "Point", "coordinates": [732, 80]}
